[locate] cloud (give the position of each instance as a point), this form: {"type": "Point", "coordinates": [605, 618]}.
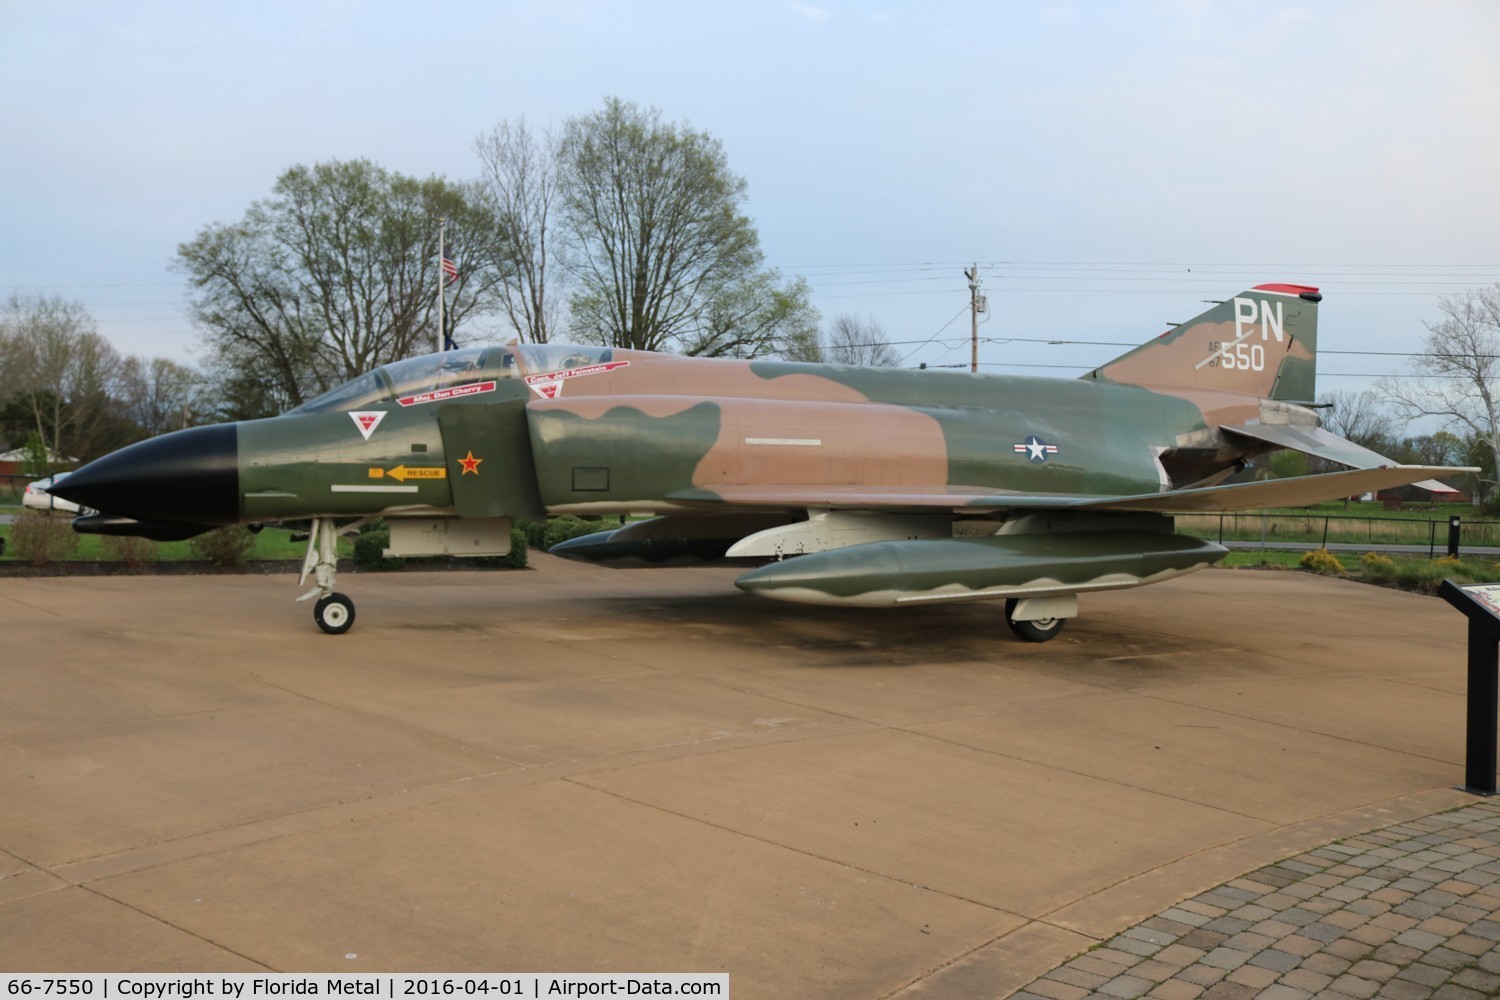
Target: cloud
{"type": "Point", "coordinates": [808, 12]}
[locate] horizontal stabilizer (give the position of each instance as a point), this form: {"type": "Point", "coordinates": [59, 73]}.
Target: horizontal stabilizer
{"type": "Point", "coordinates": [1297, 492]}
{"type": "Point", "coordinates": [1320, 443]}
{"type": "Point", "coordinates": [1312, 441]}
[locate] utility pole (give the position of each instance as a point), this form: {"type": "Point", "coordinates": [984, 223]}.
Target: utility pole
{"type": "Point", "coordinates": [977, 305]}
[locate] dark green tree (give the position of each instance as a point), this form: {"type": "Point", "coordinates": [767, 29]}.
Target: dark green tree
{"type": "Point", "coordinates": [660, 254]}
{"type": "Point", "coordinates": [334, 274]}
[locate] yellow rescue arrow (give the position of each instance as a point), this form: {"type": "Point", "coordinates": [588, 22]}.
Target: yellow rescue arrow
{"type": "Point", "coordinates": [401, 473]}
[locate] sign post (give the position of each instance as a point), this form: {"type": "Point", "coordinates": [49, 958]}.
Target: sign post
{"type": "Point", "coordinates": [1480, 603]}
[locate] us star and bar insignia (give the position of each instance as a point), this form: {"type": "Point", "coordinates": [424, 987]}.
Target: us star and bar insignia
{"type": "Point", "coordinates": [1035, 448]}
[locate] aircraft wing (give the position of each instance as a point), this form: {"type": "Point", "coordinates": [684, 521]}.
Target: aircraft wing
{"type": "Point", "coordinates": [1323, 444]}
{"type": "Point", "coordinates": [1295, 492]}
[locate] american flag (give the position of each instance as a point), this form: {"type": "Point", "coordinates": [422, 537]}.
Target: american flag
{"type": "Point", "coordinates": [451, 270]}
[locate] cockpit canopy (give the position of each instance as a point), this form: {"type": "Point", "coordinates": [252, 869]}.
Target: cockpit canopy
{"type": "Point", "coordinates": [433, 372]}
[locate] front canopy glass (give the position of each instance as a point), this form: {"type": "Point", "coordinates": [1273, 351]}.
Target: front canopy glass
{"type": "Point", "coordinates": [432, 373]}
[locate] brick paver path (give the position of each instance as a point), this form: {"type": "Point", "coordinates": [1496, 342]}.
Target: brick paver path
{"type": "Point", "coordinates": [1411, 911]}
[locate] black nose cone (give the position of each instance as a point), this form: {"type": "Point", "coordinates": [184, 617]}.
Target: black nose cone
{"type": "Point", "coordinates": [190, 476]}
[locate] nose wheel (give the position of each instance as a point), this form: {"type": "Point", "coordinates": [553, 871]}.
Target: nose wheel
{"type": "Point", "coordinates": [334, 612]}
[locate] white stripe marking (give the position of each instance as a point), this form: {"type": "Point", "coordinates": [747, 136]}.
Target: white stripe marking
{"type": "Point", "coordinates": [373, 489]}
{"type": "Point", "coordinates": [788, 442]}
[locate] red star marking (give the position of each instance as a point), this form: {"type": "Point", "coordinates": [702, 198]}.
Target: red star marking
{"type": "Point", "coordinates": [470, 464]}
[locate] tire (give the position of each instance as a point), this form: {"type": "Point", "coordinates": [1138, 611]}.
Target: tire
{"type": "Point", "coordinates": [1033, 631]}
{"type": "Point", "coordinates": [334, 614]}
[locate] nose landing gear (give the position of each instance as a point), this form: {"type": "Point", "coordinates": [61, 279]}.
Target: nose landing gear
{"type": "Point", "coordinates": [334, 612]}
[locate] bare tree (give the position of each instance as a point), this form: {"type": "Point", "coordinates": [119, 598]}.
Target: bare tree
{"type": "Point", "coordinates": [159, 395]}
{"type": "Point", "coordinates": [661, 255]}
{"type": "Point", "coordinates": [858, 342]}
{"type": "Point", "coordinates": [1454, 377]}
{"type": "Point", "coordinates": [57, 371]}
{"type": "Point", "coordinates": [1359, 417]}
{"type": "Point", "coordinates": [519, 186]}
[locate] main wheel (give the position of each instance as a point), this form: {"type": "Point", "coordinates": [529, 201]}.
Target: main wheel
{"type": "Point", "coordinates": [334, 614]}
{"type": "Point", "coordinates": [1032, 631]}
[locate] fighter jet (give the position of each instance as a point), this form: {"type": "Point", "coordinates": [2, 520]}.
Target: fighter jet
{"type": "Point", "coordinates": [838, 484]}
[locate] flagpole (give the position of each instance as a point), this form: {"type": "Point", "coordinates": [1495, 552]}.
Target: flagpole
{"type": "Point", "coordinates": [441, 295]}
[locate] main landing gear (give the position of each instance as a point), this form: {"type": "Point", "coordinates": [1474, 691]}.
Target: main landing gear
{"type": "Point", "coordinates": [334, 612]}
{"type": "Point", "coordinates": [1039, 630]}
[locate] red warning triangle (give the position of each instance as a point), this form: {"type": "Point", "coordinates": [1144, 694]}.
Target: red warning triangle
{"type": "Point", "coordinates": [367, 421]}
{"type": "Point", "coordinates": [548, 390]}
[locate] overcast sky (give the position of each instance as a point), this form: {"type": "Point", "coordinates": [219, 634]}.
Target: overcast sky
{"type": "Point", "coordinates": [1108, 165]}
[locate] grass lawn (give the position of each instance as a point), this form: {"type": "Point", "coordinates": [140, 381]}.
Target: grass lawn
{"type": "Point", "coordinates": [1357, 523]}
{"type": "Point", "coordinates": [1403, 572]}
{"type": "Point", "coordinates": [271, 544]}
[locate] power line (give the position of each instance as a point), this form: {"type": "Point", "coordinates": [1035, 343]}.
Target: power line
{"type": "Point", "coordinates": [935, 335]}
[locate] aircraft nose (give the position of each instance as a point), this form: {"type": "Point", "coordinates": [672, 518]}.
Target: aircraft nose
{"type": "Point", "coordinates": [189, 476]}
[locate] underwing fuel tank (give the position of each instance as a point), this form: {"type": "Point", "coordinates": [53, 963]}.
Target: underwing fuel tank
{"type": "Point", "coordinates": [880, 574]}
{"type": "Point", "coordinates": [667, 541]}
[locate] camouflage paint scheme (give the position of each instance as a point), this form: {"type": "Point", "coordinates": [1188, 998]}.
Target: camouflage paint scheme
{"type": "Point", "coordinates": [891, 485]}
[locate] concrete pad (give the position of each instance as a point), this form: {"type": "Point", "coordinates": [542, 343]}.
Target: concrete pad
{"type": "Point", "coordinates": [1360, 710]}
{"type": "Point", "coordinates": [1013, 835]}
{"type": "Point", "coordinates": [76, 930]}
{"type": "Point", "coordinates": [549, 722]}
{"type": "Point", "coordinates": [556, 876]}
{"type": "Point", "coordinates": [141, 782]}
{"type": "Point", "coordinates": [569, 769]}
{"type": "Point", "coordinates": [1278, 773]}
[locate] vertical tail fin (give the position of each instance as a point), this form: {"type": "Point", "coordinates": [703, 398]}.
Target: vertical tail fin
{"type": "Point", "coordinates": [1263, 342]}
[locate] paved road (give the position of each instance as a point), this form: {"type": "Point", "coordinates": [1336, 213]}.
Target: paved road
{"type": "Point", "coordinates": [571, 769]}
{"type": "Point", "coordinates": [1440, 550]}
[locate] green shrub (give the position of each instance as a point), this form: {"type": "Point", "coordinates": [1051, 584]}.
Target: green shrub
{"type": "Point", "coordinates": [535, 532]}
{"type": "Point", "coordinates": [131, 550]}
{"type": "Point", "coordinates": [42, 538]}
{"type": "Point", "coordinates": [1321, 561]}
{"type": "Point", "coordinates": [515, 558]}
{"type": "Point", "coordinates": [370, 545]}
{"type": "Point", "coordinates": [227, 546]}
{"type": "Point", "coordinates": [544, 535]}
{"type": "Point", "coordinates": [1378, 568]}
{"type": "Point", "coordinates": [560, 529]}
{"type": "Point", "coordinates": [1424, 577]}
